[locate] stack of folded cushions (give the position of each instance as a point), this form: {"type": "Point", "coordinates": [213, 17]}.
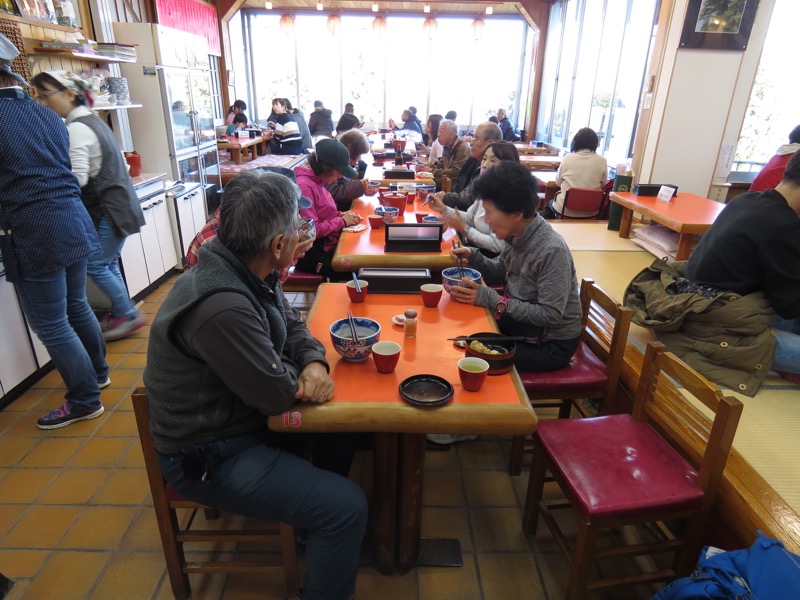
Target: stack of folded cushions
{"type": "Point", "coordinates": [659, 240]}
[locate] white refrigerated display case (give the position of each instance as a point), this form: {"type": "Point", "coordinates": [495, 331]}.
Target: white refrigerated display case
{"type": "Point", "coordinates": [175, 131]}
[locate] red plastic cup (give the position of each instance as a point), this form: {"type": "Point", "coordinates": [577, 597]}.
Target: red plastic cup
{"type": "Point", "coordinates": [386, 356]}
{"type": "Point", "coordinates": [411, 197]}
{"type": "Point", "coordinates": [421, 215]}
{"type": "Point", "coordinates": [431, 294]}
{"type": "Point", "coordinates": [355, 297]}
{"type": "Point", "coordinates": [375, 221]}
{"type": "Point", "coordinates": [472, 372]}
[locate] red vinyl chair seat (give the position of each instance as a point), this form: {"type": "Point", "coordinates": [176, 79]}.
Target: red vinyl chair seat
{"type": "Point", "coordinates": [584, 372]}
{"type": "Point", "coordinates": [299, 278]}
{"type": "Point", "coordinates": [616, 466]}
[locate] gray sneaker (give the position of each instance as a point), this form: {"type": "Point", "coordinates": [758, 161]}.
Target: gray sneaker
{"type": "Point", "coordinates": [446, 438]}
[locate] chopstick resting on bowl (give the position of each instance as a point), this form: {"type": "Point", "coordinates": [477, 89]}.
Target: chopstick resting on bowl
{"type": "Point", "coordinates": [352, 322]}
{"type": "Point", "coordinates": [358, 285]}
{"type": "Point", "coordinates": [499, 340]}
{"type": "Point", "coordinates": [456, 246]}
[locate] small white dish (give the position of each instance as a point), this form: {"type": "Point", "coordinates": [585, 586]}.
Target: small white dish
{"type": "Point", "coordinates": [399, 320]}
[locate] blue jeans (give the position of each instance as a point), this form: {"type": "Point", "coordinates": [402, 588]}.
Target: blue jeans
{"type": "Point", "coordinates": [103, 268]}
{"type": "Point", "coordinates": [787, 347]}
{"type": "Point", "coordinates": [253, 479]}
{"type": "Point", "coordinates": [56, 307]}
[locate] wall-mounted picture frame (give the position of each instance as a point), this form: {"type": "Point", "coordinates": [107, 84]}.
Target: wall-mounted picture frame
{"type": "Point", "coordinates": [718, 24]}
{"type": "Point", "coordinates": [40, 10]}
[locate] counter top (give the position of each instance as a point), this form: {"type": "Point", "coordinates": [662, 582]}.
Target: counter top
{"type": "Point", "coordinates": [146, 178]}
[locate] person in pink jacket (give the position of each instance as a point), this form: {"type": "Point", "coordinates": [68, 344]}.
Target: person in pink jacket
{"type": "Point", "coordinates": [326, 164]}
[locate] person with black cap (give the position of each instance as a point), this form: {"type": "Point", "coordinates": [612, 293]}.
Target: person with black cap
{"type": "Point", "coordinates": [320, 123]}
{"type": "Point", "coordinates": [227, 350]}
{"type": "Point", "coordinates": [329, 161]}
{"type": "Point", "coordinates": [46, 238]}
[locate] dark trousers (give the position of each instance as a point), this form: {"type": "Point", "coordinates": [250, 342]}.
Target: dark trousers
{"type": "Point", "coordinates": [252, 477]}
{"type": "Point", "coordinates": [547, 355]}
{"type": "Point", "coordinates": [318, 261]}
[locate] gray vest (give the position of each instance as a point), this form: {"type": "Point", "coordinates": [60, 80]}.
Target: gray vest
{"type": "Point", "coordinates": [111, 193]}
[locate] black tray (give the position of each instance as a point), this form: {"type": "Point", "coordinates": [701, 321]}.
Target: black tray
{"type": "Point", "coordinates": [426, 390]}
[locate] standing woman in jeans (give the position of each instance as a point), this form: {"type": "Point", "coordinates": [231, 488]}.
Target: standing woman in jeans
{"type": "Point", "coordinates": [46, 236]}
{"type": "Point", "coordinates": [106, 190]}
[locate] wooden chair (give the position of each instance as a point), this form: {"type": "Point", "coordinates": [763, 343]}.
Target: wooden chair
{"type": "Point", "coordinates": [174, 535]}
{"type": "Point", "coordinates": [447, 184]}
{"type": "Point", "coordinates": [584, 200]}
{"type": "Point", "coordinates": [662, 462]}
{"type": "Point", "coordinates": [593, 373]}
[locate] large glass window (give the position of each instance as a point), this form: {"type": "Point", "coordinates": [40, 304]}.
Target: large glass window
{"type": "Point", "coordinates": [772, 112]}
{"type": "Point", "coordinates": [593, 69]}
{"type": "Point", "coordinates": [383, 72]}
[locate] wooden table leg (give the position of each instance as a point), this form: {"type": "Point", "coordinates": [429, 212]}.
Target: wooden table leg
{"type": "Point", "coordinates": [684, 246]}
{"type": "Point", "coordinates": [383, 511]}
{"type": "Point", "coordinates": [411, 469]}
{"type": "Point", "coordinates": [236, 154]}
{"type": "Point", "coordinates": [625, 222]}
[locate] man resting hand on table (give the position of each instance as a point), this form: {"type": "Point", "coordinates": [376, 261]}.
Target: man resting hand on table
{"type": "Point", "coordinates": [226, 351]}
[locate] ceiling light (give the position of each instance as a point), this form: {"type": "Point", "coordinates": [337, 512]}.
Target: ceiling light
{"type": "Point", "coordinates": [319, 5]}
{"type": "Point", "coordinates": [287, 24]}
{"type": "Point", "coordinates": [379, 25]}
{"type": "Point", "coordinates": [477, 28]}
{"type": "Point", "coordinates": [334, 25]}
{"type": "Point", "coordinates": [489, 10]}
{"type": "Point", "coordinates": [268, 5]}
{"type": "Point", "coordinates": [426, 8]}
{"type": "Point", "coordinates": [430, 27]}
{"type": "Point", "coordinates": [374, 8]}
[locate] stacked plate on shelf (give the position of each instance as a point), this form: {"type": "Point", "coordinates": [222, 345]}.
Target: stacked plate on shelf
{"type": "Point", "coordinates": [118, 87]}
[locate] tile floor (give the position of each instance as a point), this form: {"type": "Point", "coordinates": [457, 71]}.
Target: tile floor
{"type": "Point", "coordinates": [76, 520]}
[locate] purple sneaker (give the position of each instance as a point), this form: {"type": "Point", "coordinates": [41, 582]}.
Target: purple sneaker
{"type": "Point", "coordinates": [64, 415]}
{"type": "Point", "coordinates": [117, 328]}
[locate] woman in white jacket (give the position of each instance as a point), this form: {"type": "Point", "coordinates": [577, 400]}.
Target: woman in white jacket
{"type": "Point", "coordinates": [583, 168]}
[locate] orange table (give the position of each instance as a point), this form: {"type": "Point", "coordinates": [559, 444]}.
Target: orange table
{"type": "Point", "coordinates": [365, 248]}
{"type": "Point", "coordinates": [237, 145]}
{"type": "Point", "coordinates": [686, 214]}
{"type": "Point", "coordinates": [368, 401]}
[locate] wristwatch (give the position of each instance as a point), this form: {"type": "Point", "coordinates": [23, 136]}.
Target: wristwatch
{"type": "Point", "coordinates": [500, 307]}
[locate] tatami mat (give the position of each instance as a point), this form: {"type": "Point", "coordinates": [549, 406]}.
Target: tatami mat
{"type": "Point", "coordinates": [612, 271]}
{"type": "Point", "coordinates": [592, 236]}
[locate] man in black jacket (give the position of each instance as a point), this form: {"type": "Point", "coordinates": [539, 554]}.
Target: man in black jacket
{"type": "Point", "coordinates": [320, 123]}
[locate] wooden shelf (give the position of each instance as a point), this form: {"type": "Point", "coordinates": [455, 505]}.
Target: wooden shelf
{"type": "Point", "coordinates": [99, 58]}
{"type": "Point", "coordinates": [37, 23]}
{"type": "Point", "coordinates": [117, 107]}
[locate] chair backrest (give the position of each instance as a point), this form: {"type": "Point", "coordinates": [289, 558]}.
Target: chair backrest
{"type": "Point", "coordinates": [141, 410]}
{"type": "Point", "coordinates": [584, 200]}
{"type": "Point", "coordinates": [605, 328]}
{"type": "Point", "coordinates": [704, 442]}
{"type": "Point", "coordinates": [447, 183]}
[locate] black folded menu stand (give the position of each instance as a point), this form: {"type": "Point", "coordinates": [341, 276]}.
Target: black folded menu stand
{"type": "Point", "coordinates": [395, 280]}
{"type": "Point", "coordinates": [413, 237]}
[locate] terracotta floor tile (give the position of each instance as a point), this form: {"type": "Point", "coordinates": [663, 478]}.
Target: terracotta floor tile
{"type": "Point", "coordinates": [133, 458]}
{"type": "Point", "coordinates": [12, 450]}
{"type": "Point", "coordinates": [372, 584]}
{"type": "Point", "coordinates": [99, 528]}
{"type": "Point", "coordinates": [130, 577]}
{"type": "Point", "coordinates": [489, 488]}
{"type": "Point", "coordinates": [22, 486]}
{"type": "Point", "coordinates": [498, 530]}
{"type": "Point", "coordinates": [436, 460]}
{"type": "Point", "coordinates": [9, 515]}
{"type": "Point", "coordinates": [114, 358]}
{"type": "Point", "coordinates": [128, 345]}
{"type": "Point", "coordinates": [27, 400]}
{"type": "Point", "coordinates": [256, 586]}
{"type": "Point", "coordinates": [125, 404]}
{"type": "Point", "coordinates": [450, 583]}
{"type": "Point", "coordinates": [4, 472]}
{"type": "Point", "coordinates": [119, 424]}
{"type": "Point", "coordinates": [451, 523]}
{"type": "Point", "coordinates": [101, 452]}
{"type": "Point", "coordinates": [125, 378]}
{"type": "Point", "coordinates": [505, 575]}
{"type": "Point", "coordinates": [22, 563]}
{"type": "Point", "coordinates": [481, 455]}
{"type": "Point", "coordinates": [204, 586]}
{"type": "Point", "coordinates": [134, 361]}
{"type": "Point", "coordinates": [19, 590]}
{"type": "Point", "coordinates": [443, 488]}
{"type": "Point", "coordinates": [25, 425]}
{"type": "Point", "coordinates": [52, 452]}
{"type": "Point", "coordinates": [142, 535]}
{"type": "Point", "coordinates": [41, 528]}
{"type": "Point", "coordinates": [74, 486]}
{"type": "Point", "coordinates": [68, 575]}
{"type": "Point", "coordinates": [123, 486]}
{"type": "Point", "coordinates": [111, 397]}
{"type": "Point", "coordinates": [7, 419]}
{"type": "Point", "coordinates": [51, 380]}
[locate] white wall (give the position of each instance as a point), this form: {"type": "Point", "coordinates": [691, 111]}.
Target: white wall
{"type": "Point", "coordinates": [698, 106]}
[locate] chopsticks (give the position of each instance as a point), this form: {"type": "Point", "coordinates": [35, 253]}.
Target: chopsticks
{"type": "Point", "coordinates": [352, 322]}
{"type": "Point", "coordinates": [499, 340]}
{"type": "Point", "coordinates": [457, 245]}
{"type": "Point", "coordinates": [358, 285]}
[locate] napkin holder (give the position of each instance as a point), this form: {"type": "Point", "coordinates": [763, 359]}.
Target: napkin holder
{"type": "Point", "coordinates": [413, 237]}
{"type": "Point", "coordinates": [395, 280]}
{"type": "Point", "coordinates": [652, 189]}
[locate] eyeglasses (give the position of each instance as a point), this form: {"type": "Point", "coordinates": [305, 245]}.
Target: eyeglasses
{"type": "Point", "coordinates": [44, 96]}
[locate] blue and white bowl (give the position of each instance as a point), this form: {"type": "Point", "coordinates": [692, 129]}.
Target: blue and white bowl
{"type": "Point", "coordinates": [389, 213]}
{"type": "Point", "coordinates": [451, 277]}
{"type": "Point", "coordinates": [423, 190]}
{"type": "Point", "coordinates": [369, 332]}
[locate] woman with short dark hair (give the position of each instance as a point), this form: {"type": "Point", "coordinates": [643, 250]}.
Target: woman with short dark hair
{"type": "Point", "coordinates": [329, 161]}
{"type": "Point", "coordinates": [236, 108]}
{"type": "Point", "coordinates": [583, 168]}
